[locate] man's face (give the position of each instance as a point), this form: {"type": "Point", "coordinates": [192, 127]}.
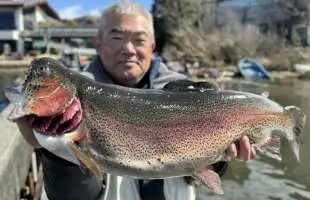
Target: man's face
{"type": "Point", "coordinates": [126, 47]}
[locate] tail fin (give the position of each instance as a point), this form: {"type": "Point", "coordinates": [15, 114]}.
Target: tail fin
{"type": "Point", "coordinates": [299, 122]}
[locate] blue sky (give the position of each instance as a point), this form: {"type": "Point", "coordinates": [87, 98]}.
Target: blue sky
{"type": "Point", "coordinates": [75, 8]}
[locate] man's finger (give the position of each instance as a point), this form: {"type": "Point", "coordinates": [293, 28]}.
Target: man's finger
{"type": "Point", "coordinates": [232, 151]}
{"type": "Point", "coordinates": [253, 153]}
{"type": "Point", "coordinates": [24, 126]}
{"type": "Point", "coordinates": [244, 149]}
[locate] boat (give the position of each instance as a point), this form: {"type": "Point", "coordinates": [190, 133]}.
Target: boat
{"type": "Point", "coordinates": [252, 69]}
{"type": "Point", "coordinates": [3, 104]}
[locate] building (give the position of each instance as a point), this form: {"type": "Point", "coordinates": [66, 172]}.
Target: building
{"type": "Point", "coordinates": [16, 16]}
{"type": "Point", "coordinates": [25, 24]}
{"type": "Point", "coordinates": [11, 24]}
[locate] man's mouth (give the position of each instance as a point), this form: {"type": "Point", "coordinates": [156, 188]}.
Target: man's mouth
{"type": "Point", "coordinates": [128, 62]}
{"type": "Point", "coordinates": [61, 123]}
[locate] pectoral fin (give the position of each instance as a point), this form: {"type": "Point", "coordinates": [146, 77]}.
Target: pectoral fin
{"type": "Point", "coordinates": [210, 179]}
{"type": "Point", "coordinates": [85, 160]}
{"type": "Point", "coordinates": [15, 97]}
{"type": "Point", "coordinates": [16, 113]}
{"type": "Point", "coordinates": [271, 149]}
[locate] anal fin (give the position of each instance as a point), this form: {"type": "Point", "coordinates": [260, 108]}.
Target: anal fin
{"type": "Point", "coordinates": [210, 179]}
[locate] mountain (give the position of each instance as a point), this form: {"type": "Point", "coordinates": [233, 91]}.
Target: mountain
{"type": "Point", "coordinates": [88, 20]}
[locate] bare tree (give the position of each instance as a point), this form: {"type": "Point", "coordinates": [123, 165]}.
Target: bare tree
{"type": "Point", "coordinates": [194, 30]}
{"type": "Point", "coordinates": [297, 12]}
{"type": "Point", "coordinates": [172, 15]}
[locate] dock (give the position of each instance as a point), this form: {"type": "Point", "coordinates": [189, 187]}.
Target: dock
{"type": "Point", "coordinates": [14, 66]}
{"type": "Point", "coordinates": [16, 158]}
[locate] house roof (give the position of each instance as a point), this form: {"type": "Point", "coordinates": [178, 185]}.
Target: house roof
{"type": "Point", "coordinates": [43, 4]}
{"type": "Point", "coordinates": [11, 3]}
{"type": "Point", "coordinates": [33, 2]}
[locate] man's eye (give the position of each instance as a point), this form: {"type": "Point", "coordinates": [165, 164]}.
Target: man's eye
{"type": "Point", "coordinates": [117, 38]}
{"type": "Point", "coordinates": [140, 40]}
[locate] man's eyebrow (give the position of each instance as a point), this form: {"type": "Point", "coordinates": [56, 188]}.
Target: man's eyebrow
{"type": "Point", "coordinates": [116, 31]}
{"type": "Point", "coordinates": [140, 33]}
{"type": "Point", "coordinates": [121, 31]}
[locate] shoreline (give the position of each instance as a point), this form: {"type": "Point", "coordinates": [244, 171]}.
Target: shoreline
{"type": "Point", "coordinates": [12, 67]}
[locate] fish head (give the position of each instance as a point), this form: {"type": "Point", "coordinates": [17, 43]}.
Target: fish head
{"type": "Point", "coordinates": [47, 89]}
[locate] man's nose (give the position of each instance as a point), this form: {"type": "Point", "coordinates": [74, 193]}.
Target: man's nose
{"type": "Point", "coordinates": [128, 48]}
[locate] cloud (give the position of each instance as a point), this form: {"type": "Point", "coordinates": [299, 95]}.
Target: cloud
{"type": "Point", "coordinates": [95, 12]}
{"type": "Point", "coordinates": [71, 12]}
{"type": "Point", "coordinates": [75, 11]}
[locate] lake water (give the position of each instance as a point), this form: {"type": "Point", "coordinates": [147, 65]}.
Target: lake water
{"type": "Point", "coordinates": [264, 178]}
{"type": "Point", "coordinates": [7, 80]}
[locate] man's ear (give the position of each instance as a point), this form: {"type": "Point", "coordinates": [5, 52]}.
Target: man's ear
{"type": "Point", "coordinates": [153, 45]}
{"type": "Point", "coordinates": [98, 44]}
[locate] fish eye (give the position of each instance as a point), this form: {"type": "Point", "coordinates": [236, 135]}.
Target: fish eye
{"type": "Point", "coordinates": [43, 70]}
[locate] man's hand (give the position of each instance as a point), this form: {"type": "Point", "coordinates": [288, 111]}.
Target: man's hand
{"type": "Point", "coordinates": [242, 150]}
{"type": "Point", "coordinates": [24, 126]}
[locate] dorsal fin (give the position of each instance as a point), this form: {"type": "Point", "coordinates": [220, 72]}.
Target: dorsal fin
{"type": "Point", "coordinates": [188, 85]}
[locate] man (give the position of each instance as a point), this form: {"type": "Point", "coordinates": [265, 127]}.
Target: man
{"type": "Point", "coordinates": [125, 45]}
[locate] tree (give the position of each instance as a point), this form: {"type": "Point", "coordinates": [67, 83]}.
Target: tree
{"type": "Point", "coordinates": [297, 12]}
{"type": "Point", "coordinates": [193, 30]}
{"type": "Point", "coordinates": [171, 15]}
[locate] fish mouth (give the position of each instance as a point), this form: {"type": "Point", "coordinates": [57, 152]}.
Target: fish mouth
{"type": "Point", "coordinates": [64, 122]}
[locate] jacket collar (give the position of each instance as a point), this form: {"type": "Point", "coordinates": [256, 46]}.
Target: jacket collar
{"type": "Point", "coordinates": [148, 78]}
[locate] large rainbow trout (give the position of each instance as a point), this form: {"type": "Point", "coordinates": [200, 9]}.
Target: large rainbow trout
{"type": "Point", "coordinates": [150, 134]}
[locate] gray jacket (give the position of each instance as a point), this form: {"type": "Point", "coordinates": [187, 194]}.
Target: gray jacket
{"type": "Point", "coordinates": [66, 181]}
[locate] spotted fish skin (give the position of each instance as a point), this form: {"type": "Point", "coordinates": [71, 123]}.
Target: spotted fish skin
{"type": "Point", "coordinates": [148, 133]}
{"type": "Point", "coordinates": [155, 134]}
